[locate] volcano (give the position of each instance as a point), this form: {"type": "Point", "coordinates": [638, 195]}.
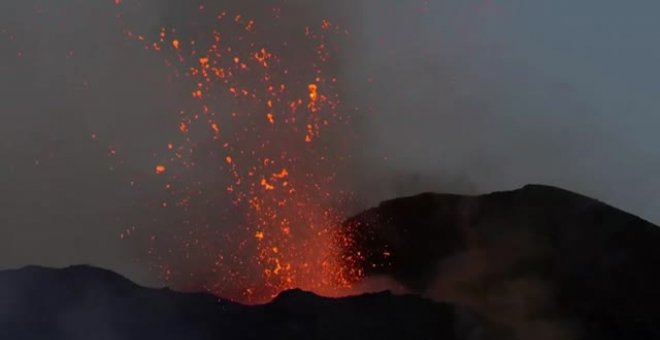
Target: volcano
{"type": "Point", "coordinates": [536, 260]}
{"type": "Point", "coordinates": [534, 263]}
{"type": "Point", "coordinates": [84, 302]}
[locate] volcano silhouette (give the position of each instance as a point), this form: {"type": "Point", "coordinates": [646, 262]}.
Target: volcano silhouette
{"type": "Point", "coordinates": [534, 258]}
{"type": "Point", "coordinates": [534, 263]}
{"type": "Point", "coordinates": [84, 302]}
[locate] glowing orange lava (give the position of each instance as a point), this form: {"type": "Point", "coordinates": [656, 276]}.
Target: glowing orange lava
{"type": "Point", "coordinates": [160, 169]}
{"type": "Point", "coordinates": [281, 171]}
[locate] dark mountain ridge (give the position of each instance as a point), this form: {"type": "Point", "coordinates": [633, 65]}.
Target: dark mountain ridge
{"type": "Point", "coordinates": [534, 263]}
{"type": "Point", "coordinates": [83, 302]}
{"type": "Point", "coordinates": [566, 256]}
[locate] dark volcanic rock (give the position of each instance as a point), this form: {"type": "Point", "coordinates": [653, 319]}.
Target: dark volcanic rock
{"type": "Point", "coordinates": [538, 260]}
{"type": "Point", "coordinates": [535, 263]}
{"type": "Point", "coordinates": [87, 303]}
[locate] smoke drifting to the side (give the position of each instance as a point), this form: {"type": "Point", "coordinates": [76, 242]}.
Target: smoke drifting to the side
{"type": "Point", "coordinates": [458, 96]}
{"type": "Point", "coordinates": [538, 262]}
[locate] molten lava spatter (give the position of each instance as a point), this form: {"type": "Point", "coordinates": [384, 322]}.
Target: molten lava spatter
{"type": "Point", "coordinates": [264, 115]}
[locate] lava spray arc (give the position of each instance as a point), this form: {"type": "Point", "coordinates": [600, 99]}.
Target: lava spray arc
{"type": "Point", "coordinates": [263, 112]}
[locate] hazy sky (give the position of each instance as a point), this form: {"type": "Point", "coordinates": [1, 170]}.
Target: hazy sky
{"type": "Point", "coordinates": [464, 96]}
{"type": "Point", "coordinates": [504, 93]}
